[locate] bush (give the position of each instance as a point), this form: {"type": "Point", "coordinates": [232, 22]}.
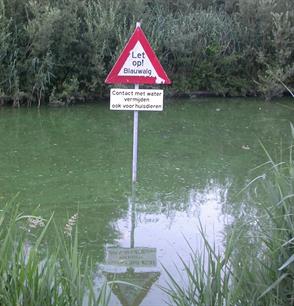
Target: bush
{"type": "Point", "coordinates": [64, 49]}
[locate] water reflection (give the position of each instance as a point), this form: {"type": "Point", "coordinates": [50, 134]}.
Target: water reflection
{"type": "Point", "coordinates": [157, 231]}
{"type": "Point", "coordinates": [134, 269]}
{"type": "Point", "coordinates": [132, 295]}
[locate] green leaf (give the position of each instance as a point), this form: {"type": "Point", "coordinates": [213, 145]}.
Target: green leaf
{"type": "Point", "coordinates": [292, 129]}
{"type": "Point", "coordinates": [288, 242]}
{"type": "Point", "coordinates": [273, 285]}
{"type": "Point", "coordinates": [287, 263]}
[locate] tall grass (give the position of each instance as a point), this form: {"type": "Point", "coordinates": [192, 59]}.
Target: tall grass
{"type": "Point", "coordinates": [210, 277]}
{"type": "Point", "coordinates": [257, 266]}
{"type": "Point", "coordinates": [36, 274]}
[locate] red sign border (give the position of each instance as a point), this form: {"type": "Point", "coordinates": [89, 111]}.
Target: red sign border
{"type": "Point", "coordinates": [114, 78]}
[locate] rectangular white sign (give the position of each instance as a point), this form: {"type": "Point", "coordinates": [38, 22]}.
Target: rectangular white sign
{"type": "Point", "coordinates": [136, 99]}
{"type": "Point", "coordinates": [134, 257]}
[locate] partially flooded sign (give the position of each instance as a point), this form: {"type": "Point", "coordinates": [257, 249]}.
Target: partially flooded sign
{"type": "Point", "coordinates": [137, 64]}
{"type": "Point", "coordinates": [131, 257]}
{"type": "Point", "coordinates": [136, 99]}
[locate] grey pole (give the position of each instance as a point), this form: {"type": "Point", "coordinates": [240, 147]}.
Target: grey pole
{"type": "Point", "coordinates": [135, 143]}
{"type": "Point", "coordinates": [133, 216]}
{"type": "Point", "coordinates": [135, 136]}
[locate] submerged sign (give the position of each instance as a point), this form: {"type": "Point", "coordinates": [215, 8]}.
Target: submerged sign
{"type": "Point", "coordinates": [136, 99]}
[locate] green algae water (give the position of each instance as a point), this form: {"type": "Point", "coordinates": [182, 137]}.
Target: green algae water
{"type": "Point", "coordinates": [193, 159]}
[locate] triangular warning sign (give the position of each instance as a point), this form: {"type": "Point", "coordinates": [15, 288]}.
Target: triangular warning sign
{"type": "Point", "coordinates": [137, 63]}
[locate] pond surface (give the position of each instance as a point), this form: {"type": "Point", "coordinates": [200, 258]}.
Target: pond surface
{"type": "Point", "coordinates": [194, 157]}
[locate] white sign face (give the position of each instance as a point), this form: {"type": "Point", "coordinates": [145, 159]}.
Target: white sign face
{"type": "Point", "coordinates": [138, 64]}
{"type": "Point", "coordinates": [136, 99]}
{"type": "Point", "coordinates": [134, 257]}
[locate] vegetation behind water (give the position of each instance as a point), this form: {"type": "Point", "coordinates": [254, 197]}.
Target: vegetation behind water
{"type": "Point", "coordinates": [54, 50]}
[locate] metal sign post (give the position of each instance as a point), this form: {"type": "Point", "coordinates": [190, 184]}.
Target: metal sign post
{"type": "Point", "coordinates": [137, 64]}
{"type": "Point", "coordinates": [135, 143]}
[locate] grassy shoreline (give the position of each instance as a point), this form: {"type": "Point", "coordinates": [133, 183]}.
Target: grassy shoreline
{"type": "Point", "coordinates": [257, 265]}
{"type": "Point", "coordinates": [39, 274]}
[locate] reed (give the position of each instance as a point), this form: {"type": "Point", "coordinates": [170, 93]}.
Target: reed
{"type": "Point", "coordinates": [209, 276]}
{"type": "Point", "coordinates": [31, 273]}
{"type": "Point", "coordinates": [257, 264]}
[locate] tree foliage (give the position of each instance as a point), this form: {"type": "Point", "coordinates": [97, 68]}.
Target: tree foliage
{"type": "Point", "coordinates": [53, 50]}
